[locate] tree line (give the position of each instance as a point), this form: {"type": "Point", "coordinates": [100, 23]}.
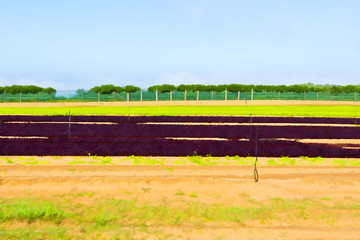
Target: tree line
{"type": "Point", "coordinates": [309, 87]}
{"type": "Point", "coordinates": [109, 88]}
{"type": "Point", "coordinates": [16, 89]}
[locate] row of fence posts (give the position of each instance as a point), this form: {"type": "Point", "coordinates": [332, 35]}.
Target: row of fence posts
{"type": "Point", "coordinates": [197, 96]}
{"type": "Point", "coordinates": [212, 95]}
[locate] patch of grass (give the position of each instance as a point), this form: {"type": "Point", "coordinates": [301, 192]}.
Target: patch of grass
{"type": "Point", "coordinates": [198, 160]}
{"type": "Point", "coordinates": [106, 160]}
{"type": "Point", "coordinates": [30, 210]}
{"type": "Point", "coordinates": [75, 162]}
{"type": "Point", "coordinates": [287, 161]}
{"type": "Point", "coordinates": [354, 162]}
{"type": "Point", "coordinates": [193, 195]}
{"type": "Point", "coordinates": [339, 162]}
{"type": "Point", "coordinates": [137, 160]}
{"type": "Point", "coordinates": [180, 161]}
{"type": "Point", "coordinates": [326, 199]}
{"type": "Point", "coordinates": [272, 162]}
{"type": "Point", "coordinates": [103, 218]}
{"type": "Point", "coordinates": [42, 232]}
{"type": "Point", "coordinates": [8, 160]}
{"type": "Point", "coordinates": [179, 193]}
{"type": "Point", "coordinates": [30, 162]}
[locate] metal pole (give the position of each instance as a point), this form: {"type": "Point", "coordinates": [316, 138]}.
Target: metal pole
{"type": "Point", "coordinates": [141, 97]}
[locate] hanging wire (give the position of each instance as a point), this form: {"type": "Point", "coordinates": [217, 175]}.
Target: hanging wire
{"type": "Point", "coordinates": [69, 129]}
{"type": "Point", "coordinates": [256, 174]}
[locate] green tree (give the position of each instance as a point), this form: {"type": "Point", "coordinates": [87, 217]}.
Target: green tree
{"type": "Point", "coordinates": [33, 89]}
{"type": "Point", "coordinates": [50, 90]}
{"type": "Point", "coordinates": [131, 88]}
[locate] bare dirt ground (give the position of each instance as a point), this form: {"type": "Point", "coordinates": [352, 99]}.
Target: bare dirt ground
{"type": "Point", "coordinates": [213, 185]}
{"type": "Point", "coordinates": [179, 103]}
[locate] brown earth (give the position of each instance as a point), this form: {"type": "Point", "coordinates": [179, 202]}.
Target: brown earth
{"type": "Point", "coordinates": [178, 103]}
{"type": "Point", "coordinates": [213, 184]}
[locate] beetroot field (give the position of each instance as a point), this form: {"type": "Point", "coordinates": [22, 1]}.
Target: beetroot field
{"type": "Point", "coordinates": [179, 136]}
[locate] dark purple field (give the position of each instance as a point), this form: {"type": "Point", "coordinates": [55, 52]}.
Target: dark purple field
{"type": "Point", "coordinates": [129, 136]}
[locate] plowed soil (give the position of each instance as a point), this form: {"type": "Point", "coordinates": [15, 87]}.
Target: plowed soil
{"type": "Point", "coordinates": [155, 183]}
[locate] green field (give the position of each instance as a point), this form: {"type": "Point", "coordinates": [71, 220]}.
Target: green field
{"type": "Point", "coordinates": [304, 110]}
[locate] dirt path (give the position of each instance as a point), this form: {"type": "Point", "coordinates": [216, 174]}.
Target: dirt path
{"type": "Point", "coordinates": [212, 184]}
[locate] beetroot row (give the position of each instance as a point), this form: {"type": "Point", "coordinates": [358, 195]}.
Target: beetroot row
{"type": "Point", "coordinates": [212, 131]}
{"type": "Point", "coordinates": [134, 119]}
{"type": "Point", "coordinates": [162, 147]}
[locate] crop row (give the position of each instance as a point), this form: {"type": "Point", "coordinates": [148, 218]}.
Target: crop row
{"type": "Point", "coordinates": [138, 119]}
{"type": "Point", "coordinates": [209, 131]}
{"type": "Point", "coordinates": [165, 147]}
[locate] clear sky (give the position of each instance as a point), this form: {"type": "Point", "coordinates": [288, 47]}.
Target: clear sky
{"type": "Point", "coordinates": [71, 44]}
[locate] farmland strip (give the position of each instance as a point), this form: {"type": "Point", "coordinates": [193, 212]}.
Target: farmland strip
{"type": "Point", "coordinates": [249, 124]}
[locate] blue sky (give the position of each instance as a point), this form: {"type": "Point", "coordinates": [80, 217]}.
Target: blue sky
{"type": "Point", "coordinates": [71, 44]}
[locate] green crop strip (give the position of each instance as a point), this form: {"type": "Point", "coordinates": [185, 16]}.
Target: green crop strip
{"type": "Point", "coordinates": [304, 110]}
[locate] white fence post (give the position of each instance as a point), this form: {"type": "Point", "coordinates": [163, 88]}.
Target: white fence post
{"type": "Point", "coordinates": [157, 96]}
{"type": "Point", "coordinates": [252, 94]}
{"type": "Point", "coordinates": [197, 95]}
{"type": "Point", "coordinates": [170, 95]}
{"type": "Point", "coordinates": [238, 95]}
{"type": "Point", "coordinates": [141, 95]}
{"type": "Point", "coordinates": [128, 96]}
{"type": "Point", "coordinates": [225, 94]}
{"type": "Point", "coordinates": [185, 95]}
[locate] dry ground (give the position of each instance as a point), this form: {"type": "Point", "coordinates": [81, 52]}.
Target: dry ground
{"type": "Point", "coordinates": [213, 185]}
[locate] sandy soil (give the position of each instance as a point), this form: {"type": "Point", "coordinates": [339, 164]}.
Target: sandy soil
{"type": "Point", "coordinates": [179, 103]}
{"type": "Point", "coordinates": [213, 184]}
